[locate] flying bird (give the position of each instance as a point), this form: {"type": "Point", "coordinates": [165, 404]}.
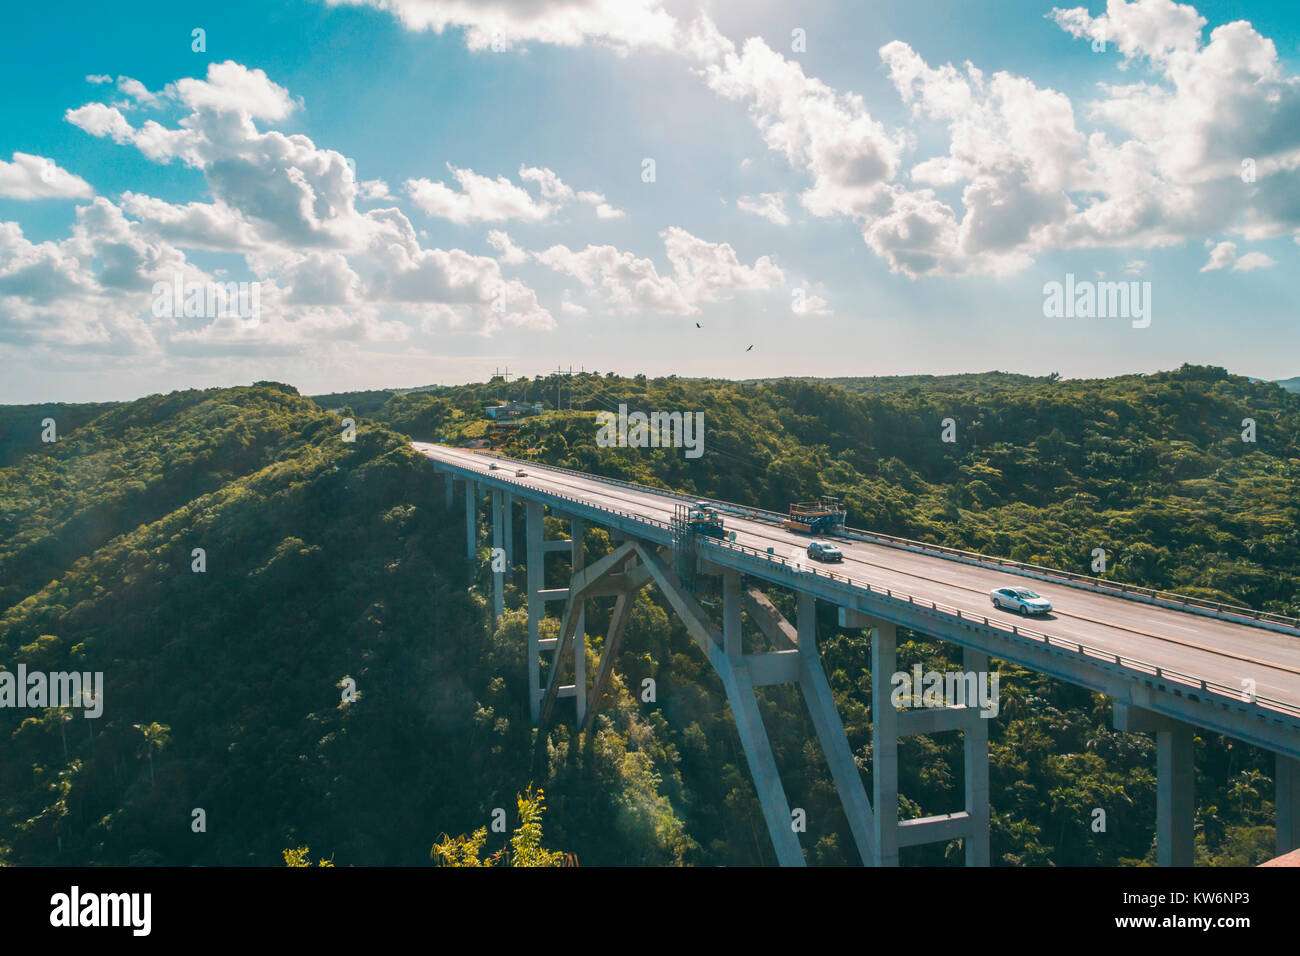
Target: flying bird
{"type": "Point", "coordinates": [697, 325]}
{"type": "Point", "coordinates": [750, 349]}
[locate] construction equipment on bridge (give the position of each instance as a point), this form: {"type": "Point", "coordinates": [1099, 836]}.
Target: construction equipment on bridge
{"type": "Point", "coordinates": [688, 522]}
{"type": "Point", "coordinates": [683, 547]}
{"type": "Point", "coordinates": [824, 516]}
{"type": "Point", "coordinates": [703, 519]}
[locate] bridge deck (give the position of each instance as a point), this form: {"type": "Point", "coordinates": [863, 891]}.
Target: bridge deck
{"type": "Point", "coordinates": [1221, 651]}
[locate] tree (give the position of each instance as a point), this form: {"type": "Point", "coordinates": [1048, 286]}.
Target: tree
{"type": "Point", "coordinates": [155, 738]}
{"type": "Point", "coordinates": [302, 857]}
{"type": "Point", "coordinates": [524, 847]}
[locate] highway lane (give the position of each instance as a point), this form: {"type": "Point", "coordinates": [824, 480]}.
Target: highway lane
{"type": "Point", "coordinates": [1204, 647]}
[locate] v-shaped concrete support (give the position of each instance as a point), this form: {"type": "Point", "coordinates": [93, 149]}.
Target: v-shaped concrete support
{"type": "Point", "coordinates": [631, 566]}
{"type": "Point", "coordinates": [736, 680]}
{"type": "Point", "coordinates": [581, 583]}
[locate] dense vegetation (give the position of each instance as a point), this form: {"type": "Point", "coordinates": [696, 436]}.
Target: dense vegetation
{"type": "Point", "coordinates": [328, 681]}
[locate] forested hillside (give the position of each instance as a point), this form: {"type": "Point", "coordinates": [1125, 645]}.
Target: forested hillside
{"type": "Point", "coordinates": [227, 689]}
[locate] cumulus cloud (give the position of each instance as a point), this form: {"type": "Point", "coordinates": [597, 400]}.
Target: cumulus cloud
{"type": "Point", "coordinates": [482, 199]}
{"type": "Point", "coordinates": [702, 272]}
{"type": "Point", "coordinates": [1029, 177]}
{"type": "Point", "coordinates": [511, 254]}
{"type": "Point", "coordinates": [324, 268]}
{"type": "Point", "coordinates": [479, 199]}
{"type": "Point", "coordinates": [807, 300]}
{"type": "Point", "coordinates": [374, 189]}
{"type": "Point", "coordinates": [831, 136]}
{"type": "Point", "coordinates": [35, 177]}
{"type": "Point", "coordinates": [1224, 255]}
{"type": "Point", "coordinates": [1254, 260]}
{"type": "Point", "coordinates": [503, 24]}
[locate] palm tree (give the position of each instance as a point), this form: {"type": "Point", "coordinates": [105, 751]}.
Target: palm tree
{"type": "Point", "coordinates": [155, 738]}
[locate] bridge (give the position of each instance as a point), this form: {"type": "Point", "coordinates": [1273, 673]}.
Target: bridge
{"type": "Point", "coordinates": [1169, 663]}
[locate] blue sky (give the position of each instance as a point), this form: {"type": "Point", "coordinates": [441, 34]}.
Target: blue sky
{"type": "Point", "coordinates": [423, 191]}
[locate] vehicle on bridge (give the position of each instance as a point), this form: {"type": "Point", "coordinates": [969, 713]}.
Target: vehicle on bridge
{"type": "Point", "coordinates": [824, 551]}
{"type": "Point", "coordinates": [824, 516]}
{"type": "Point", "coordinates": [703, 519]}
{"type": "Point", "coordinates": [1021, 600]}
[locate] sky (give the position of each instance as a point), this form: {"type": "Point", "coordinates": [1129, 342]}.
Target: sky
{"type": "Point", "coordinates": [409, 192]}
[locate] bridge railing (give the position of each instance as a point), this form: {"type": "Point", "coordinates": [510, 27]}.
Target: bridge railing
{"type": "Point", "coordinates": [1079, 648]}
{"type": "Point", "coordinates": [799, 566]}
{"type": "Point", "coordinates": [1177, 601]}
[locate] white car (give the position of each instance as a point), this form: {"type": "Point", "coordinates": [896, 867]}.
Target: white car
{"type": "Point", "coordinates": [1021, 600]}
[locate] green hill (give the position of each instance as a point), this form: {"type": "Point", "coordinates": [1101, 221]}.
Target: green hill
{"type": "Point", "coordinates": [328, 560]}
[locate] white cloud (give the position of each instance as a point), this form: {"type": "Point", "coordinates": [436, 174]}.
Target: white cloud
{"type": "Point", "coordinates": [830, 135]}
{"type": "Point", "coordinates": [511, 254]}
{"type": "Point", "coordinates": [702, 272]}
{"type": "Point", "coordinates": [456, 278]}
{"type": "Point", "coordinates": [1031, 179]}
{"type": "Point", "coordinates": [231, 87]}
{"type": "Point", "coordinates": [707, 271]}
{"type": "Point", "coordinates": [1223, 255]}
{"type": "Point", "coordinates": [97, 119]}
{"type": "Point", "coordinates": [35, 177]}
{"type": "Point", "coordinates": [1254, 260]}
{"type": "Point", "coordinates": [502, 24]}
{"type": "Point", "coordinates": [569, 307]}
{"type": "Point", "coordinates": [374, 189]}
{"type": "Point", "coordinates": [770, 206]}
{"type": "Point", "coordinates": [629, 284]}
{"type": "Point", "coordinates": [138, 92]}
{"type": "Point", "coordinates": [810, 302]}
{"type": "Point", "coordinates": [480, 199]}
{"type": "Point", "coordinates": [1159, 29]}
{"type": "Point", "coordinates": [193, 225]}
{"type": "Point", "coordinates": [325, 269]}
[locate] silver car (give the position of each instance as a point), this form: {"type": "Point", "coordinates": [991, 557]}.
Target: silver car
{"type": "Point", "coordinates": [1020, 600]}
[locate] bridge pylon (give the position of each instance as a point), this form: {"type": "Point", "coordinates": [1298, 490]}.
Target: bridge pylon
{"type": "Point", "coordinates": [889, 725]}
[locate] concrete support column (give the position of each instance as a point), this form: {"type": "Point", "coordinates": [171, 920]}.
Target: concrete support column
{"type": "Point", "coordinates": [1175, 780]}
{"type": "Point", "coordinates": [471, 524]}
{"type": "Point", "coordinates": [510, 529]}
{"type": "Point", "coordinates": [732, 635]}
{"type": "Point", "coordinates": [450, 488]}
{"type": "Point", "coordinates": [830, 731]}
{"type": "Point", "coordinates": [498, 577]}
{"type": "Point", "coordinates": [578, 534]}
{"type": "Point", "coordinates": [533, 531]}
{"type": "Point", "coordinates": [884, 743]}
{"type": "Point", "coordinates": [976, 747]}
{"type": "Point", "coordinates": [1175, 796]}
{"type": "Point", "coordinates": [1288, 804]}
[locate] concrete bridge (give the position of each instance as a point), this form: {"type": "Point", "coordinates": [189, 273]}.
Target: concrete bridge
{"type": "Point", "coordinates": [1170, 663]}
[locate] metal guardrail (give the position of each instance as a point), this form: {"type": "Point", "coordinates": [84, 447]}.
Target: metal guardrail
{"type": "Point", "coordinates": [1184, 602]}
{"type": "Point", "coordinates": [1082, 650]}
